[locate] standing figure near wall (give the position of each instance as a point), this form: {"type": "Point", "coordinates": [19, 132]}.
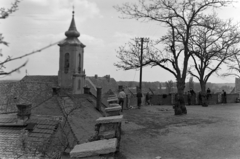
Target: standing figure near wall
{"type": "Point", "coordinates": [224, 97]}
{"type": "Point", "coordinates": [147, 99]}
{"type": "Point", "coordinates": [208, 93]}
{"type": "Point", "coordinates": [139, 98]}
{"type": "Point", "coordinates": [193, 96]}
{"type": "Point", "coordinates": [189, 98]}
{"type": "Point", "coordinates": [121, 97]}
{"type": "Point", "coordinates": [200, 98]}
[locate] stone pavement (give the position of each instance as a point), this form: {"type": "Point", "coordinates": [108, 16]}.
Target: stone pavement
{"type": "Point", "coordinates": [204, 133]}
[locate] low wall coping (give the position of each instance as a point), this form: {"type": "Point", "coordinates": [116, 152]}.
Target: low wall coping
{"type": "Point", "coordinates": [114, 105]}
{"type": "Point", "coordinates": [94, 148]}
{"type": "Point", "coordinates": [110, 119]}
{"type": "Point", "coordinates": [115, 108]}
{"type": "Point", "coordinates": [112, 99]}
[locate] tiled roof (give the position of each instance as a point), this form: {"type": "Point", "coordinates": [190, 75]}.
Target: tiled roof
{"type": "Point", "coordinates": [17, 142]}
{"type": "Point", "coordinates": [37, 90]}
{"type": "Point", "coordinates": [104, 83]}
{"type": "Point", "coordinates": [9, 142]}
{"type": "Point", "coordinates": [42, 79]}
{"type": "Point", "coordinates": [82, 120]}
{"type": "Point", "coordinates": [43, 129]}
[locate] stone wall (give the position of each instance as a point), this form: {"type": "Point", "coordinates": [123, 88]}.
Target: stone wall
{"type": "Point", "coordinates": [169, 99]}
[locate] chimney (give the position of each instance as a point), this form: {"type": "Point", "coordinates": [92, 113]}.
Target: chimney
{"type": "Point", "coordinates": [86, 90]}
{"type": "Point", "coordinates": [108, 78]}
{"type": "Point", "coordinates": [99, 98]}
{"type": "Point", "coordinates": [24, 111]}
{"type": "Point", "coordinates": [55, 90]}
{"type": "Point", "coordinates": [96, 76]}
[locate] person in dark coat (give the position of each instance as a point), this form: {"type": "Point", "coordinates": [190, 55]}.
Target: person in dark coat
{"type": "Point", "coordinates": [139, 98]}
{"type": "Point", "coordinates": [147, 99]}
{"type": "Point", "coordinates": [224, 97]}
{"type": "Point", "coordinates": [208, 93]}
{"type": "Point", "coordinates": [193, 96]}
{"type": "Point", "coordinates": [200, 98]}
{"type": "Point", "coordinates": [189, 98]}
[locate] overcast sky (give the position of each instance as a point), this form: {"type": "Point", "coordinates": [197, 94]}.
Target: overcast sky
{"type": "Point", "coordinates": [38, 23]}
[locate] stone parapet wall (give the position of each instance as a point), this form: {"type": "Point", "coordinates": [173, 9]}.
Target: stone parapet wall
{"type": "Point", "coordinates": [169, 99]}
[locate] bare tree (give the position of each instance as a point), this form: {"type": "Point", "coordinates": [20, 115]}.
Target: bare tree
{"type": "Point", "coordinates": [4, 13]}
{"type": "Point", "coordinates": [130, 56]}
{"type": "Point", "coordinates": [213, 44]}
{"type": "Point", "coordinates": [179, 17]}
{"type": "Point", "coordinates": [233, 67]}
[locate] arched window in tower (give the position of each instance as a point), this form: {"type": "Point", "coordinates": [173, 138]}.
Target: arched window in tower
{"type": "Point", "coordinates": [79, 63]}
{"type": "Point", "coordinates": [66, 63]}
{"type": "Point", "coordinates": [79, 84]}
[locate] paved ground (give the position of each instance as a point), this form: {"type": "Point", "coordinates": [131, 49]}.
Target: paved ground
{"type": "Point", "coordinates": [204, 133]}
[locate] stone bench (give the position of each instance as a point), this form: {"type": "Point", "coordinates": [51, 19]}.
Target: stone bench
{"type": "Point", "coordinates": [113, 105]}
{"type": "Point", "coordinates": [112, 100]}
{"type": "Point", "coordinates": [108, 127]}
{"type": "Point", "coordinates": [94, 148]}
{"type": "Point", "coordinates": [113, 111]}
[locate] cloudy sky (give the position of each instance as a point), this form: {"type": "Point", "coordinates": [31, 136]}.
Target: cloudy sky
{"type": "Point", "coordinates": [38, 23]}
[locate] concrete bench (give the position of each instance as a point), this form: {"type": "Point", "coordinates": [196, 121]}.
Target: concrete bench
{"type": "Point", "coordinates": [94, 148]}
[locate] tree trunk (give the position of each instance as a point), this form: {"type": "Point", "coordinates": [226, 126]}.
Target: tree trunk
{"type": "Point", "coordinates": [179, 106]}
{"type": "Point", "coordinates": [203, 94]}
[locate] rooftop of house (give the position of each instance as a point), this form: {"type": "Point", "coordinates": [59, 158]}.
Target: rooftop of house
{"type": "Point", "coordinates": [47, 106]}
{"type": "Point", "coordinates": [23, 138]}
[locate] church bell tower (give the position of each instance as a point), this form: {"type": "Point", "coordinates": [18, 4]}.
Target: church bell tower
{"type": "Point", "coordinates": [71, 75]}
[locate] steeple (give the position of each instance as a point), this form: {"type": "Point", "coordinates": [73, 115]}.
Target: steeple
{"type": "Point", "coordinates": [72, 31]}
{"type": "Point", "coordinates": [71, 74]}
{"type": "Point", "coordinates": [72, 35]}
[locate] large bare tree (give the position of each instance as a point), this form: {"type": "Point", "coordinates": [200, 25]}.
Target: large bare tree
{"type": "Point", "coordinates": [179, 17]}
{"type": "Point", "coordinates": [213, 44]}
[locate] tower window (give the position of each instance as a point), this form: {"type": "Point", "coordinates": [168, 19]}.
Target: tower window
{"type": "Point", "coordinates": [79, 66]}
{"type": "Point", "coordinates": [66, 64]}
{"type": "Point", "coordinates": [79, 84]}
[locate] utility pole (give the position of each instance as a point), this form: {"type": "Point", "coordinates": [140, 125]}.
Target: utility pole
{"type": "Point", "coordinates": [142, 40]}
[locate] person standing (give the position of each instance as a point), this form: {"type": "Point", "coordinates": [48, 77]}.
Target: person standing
{"type": "Point", "coordinates": [224, 97]}
{"type": "Point", "coordinates": [193, 96]}
{"type": "Point", "coordinates": [121, 97]}
{"type": "Point", "coordinates": [208, 93]}
{"type": "Point", "coordinates": [189, 98]}
{"type": "Point", "coordinates": [147, 99]}
{"type": "Point", "coordinates": [139, 98]}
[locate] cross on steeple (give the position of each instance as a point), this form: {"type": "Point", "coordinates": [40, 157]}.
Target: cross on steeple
{"type": "Point", "coordinates": [73, 10]}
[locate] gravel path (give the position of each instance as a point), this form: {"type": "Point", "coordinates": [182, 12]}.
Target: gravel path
{"type": "Point", "coordinates": [204, 133]}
